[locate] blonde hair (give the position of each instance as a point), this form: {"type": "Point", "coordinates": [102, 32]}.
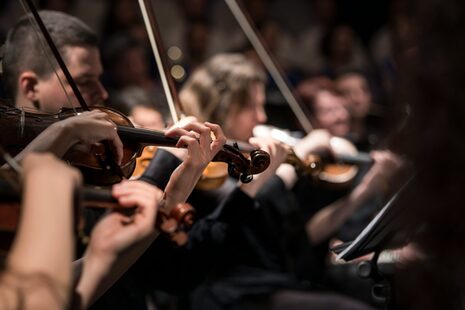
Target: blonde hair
{"type": "Point", "coordinates": [222, 81]}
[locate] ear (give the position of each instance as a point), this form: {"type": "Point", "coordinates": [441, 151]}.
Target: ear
{"type": "Point", "coordinates": [27, 85]}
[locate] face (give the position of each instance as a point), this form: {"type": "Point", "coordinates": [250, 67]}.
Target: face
{"type": "Point", "coordinates": [84, 66]}
{"type": "Point", "coordinates": [331, 114]}
{"type": "Point", "coordinates": [356, 91]}
{"type": "Point", "coordinates": [241, 121]}
{"type": "Point", "coordinates": [147, 118]}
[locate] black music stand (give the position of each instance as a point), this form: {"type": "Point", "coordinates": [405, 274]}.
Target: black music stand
{"type": "Point", "coordinates": [378, 235]}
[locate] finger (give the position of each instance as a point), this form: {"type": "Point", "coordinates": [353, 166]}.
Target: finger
{"type": "Point", "coordinates": [196, 127]}
{"type": "Point", "coordinates": [205, 137]}
{"type": "Point", "coordinates": [96, 114]}
{"type": "Point", "coordinates": [185, 120]}
{"type": "Point", "coordinates": [254, 141]}
{"type": "Point", "coordinates": [220, 138]}
{"type": "Point", "coordinates": [377, 156]}
{"type": "Point", "coordinates": [135, 184]}
{"type": "Point", "coordinates": [139, 187]}
{"type": "Point", "coordinates": [175, 132]}
{"type": "Point", "coordinates": [190, 143]}
{"type": "Point", "coordinates": [117, 217]}
{"type": "Point", "coordinates": [203, 132]}
{"type": "Point", "coordinates": [146, 208]}
{"type": "Point", "coordinates": [200, 132]}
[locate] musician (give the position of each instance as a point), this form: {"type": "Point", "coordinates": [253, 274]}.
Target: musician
{"type": "Point", "coordinates": [340, 215]}
{"type": "Point", "coordinates": [38, 91]}
{"type": "Point", "coordinates": [32, 277]}
{"type": "Point", "coordinates": [366, 116]}
{"type": "Point", "coordinates": [37, 88]}
{"type": "Point", "coordinates": [38, 271]}
{"type": "Point", "coordinates": [229, 89]}
{"type": "Point", "coordinates": [32, 82]}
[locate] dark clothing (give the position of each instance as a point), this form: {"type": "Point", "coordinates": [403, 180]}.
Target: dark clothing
{"type": "Point", "coordinates": [244, 251]}
{"type": "Point", "coordinates": [289, 300]}
{"type": "Point", "coordinates": [178, 269]}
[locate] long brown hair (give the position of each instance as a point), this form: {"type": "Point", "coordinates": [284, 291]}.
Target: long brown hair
{"type": "Point", "coordinates": [214, 87]}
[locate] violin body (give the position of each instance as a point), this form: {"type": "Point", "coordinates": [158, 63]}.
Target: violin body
{"type": "Point", "coordinates": [173, 222]}
{"type": "Point", "coordinates": [335, 171]}
{"type": "Point", "coordinates": [143, 161]}
{"type": "Point", "coordinates": [19, 128]}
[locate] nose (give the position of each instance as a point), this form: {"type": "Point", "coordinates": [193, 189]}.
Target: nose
{"type": "Point", "coordinates": [102, 91]}
{"type": "Point", "coordinates": [342, 113]}
{"type": "Point", "coordinates": [260, 115]}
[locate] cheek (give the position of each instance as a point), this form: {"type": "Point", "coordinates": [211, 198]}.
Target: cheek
{"type": "Point", "coordinates": [52, 98]}
{"type": "Point", "coordinates": [239, 127]}
{"type": "Point", "coordinates": [324, 120]}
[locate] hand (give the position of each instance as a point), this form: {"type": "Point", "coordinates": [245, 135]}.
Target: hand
{"type": "Point", "coordinates": [91, 127]}
{"type": "Point", "coordinates": [317, 140]}
{"type": "Point", "coordinates": [197, 137]}
{"type": "Point", "coordinates": [117, 232]}
{"type": "Point", "coordinates": [277, 150]}
{"type": "Point", "coordinates": [185, 121]}
{"type": "Point", "coordinates": [386, 165]}
{"type": "Point", "coordinates": [201, 149]}
{"type": "Point", "coordinates": [278, 153]}
{"type": "Point", "coordinates": [178, 152]}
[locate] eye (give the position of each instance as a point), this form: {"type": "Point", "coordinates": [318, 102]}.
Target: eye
{"type": "Point", "coordinates": [84, 82]}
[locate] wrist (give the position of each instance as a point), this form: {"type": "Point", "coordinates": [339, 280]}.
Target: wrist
{"type": "Point", "coordinates": [360, 194]}
{"type": "Point", "coordinates": [60, 182]}
{"type": "Point", "coordinates": [195, 169]}
{"type": "Point", "coordinates": [66, 132]}
{"type": "Point", "coordinates": [98, 262]}
{"type": "Point", "coordinates": [287, 174]}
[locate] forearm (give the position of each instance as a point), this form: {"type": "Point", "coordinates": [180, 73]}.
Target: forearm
{"type": "Point", "coordinates": [43, 249]}
{"type": "Point", "coordinates": [288, 175]}
{"type": "Point", "coordinates": [182, 182]}
{"type": "Point", "coordinates": [56, 139]}
{"type": "Point", "coordinates": [328, 220]}
{"type": "Point", "coordinates": [160, 169]}
{"type": "Point", "coordinates": [39, 230]}
{"type": "Point", "coordinates": [99, 272]}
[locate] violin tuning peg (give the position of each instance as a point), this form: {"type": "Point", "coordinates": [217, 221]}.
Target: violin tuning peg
{"type": "Point", "coordinates": [246, 178]}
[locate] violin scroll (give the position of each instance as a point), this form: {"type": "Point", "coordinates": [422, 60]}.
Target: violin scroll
{"type": "Point", "coordinates": [176, 222]}
{"type": "Point", "coordinates": [259, 161]}
{"type": "Point", "coordinates": [241, 167]}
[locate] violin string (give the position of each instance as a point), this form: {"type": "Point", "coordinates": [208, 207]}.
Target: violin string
{"type": "Point", "coordinates": [22, 121]}
{"type": "Point", "coordinates": [46, 52]}
{"type": "Point", "coordinates": [10, 161]}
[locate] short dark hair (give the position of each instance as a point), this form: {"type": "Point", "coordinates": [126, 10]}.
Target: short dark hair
{"type": "Point", "coordinates": [23, 50]}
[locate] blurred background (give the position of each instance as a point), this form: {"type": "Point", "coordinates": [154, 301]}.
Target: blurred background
{"type": "Point", "coordinates": [309, 38]}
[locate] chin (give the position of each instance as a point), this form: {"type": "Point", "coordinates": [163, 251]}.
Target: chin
{"type": "Point", "coordinates": [341, 132]}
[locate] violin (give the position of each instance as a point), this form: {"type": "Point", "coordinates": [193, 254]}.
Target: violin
{"type": "Point", "coordinates": [143, 161]}
{"type": "Point", "coordinates": [216, 172]}
{"type": "Point", "coordinates": [172, 223]}
{"type": "Point", "coordinates": [335, 170]}
{"type": "Point", "coordinates": [98, 166]}
{"type": "Point", "coordinates": [19, 128]}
